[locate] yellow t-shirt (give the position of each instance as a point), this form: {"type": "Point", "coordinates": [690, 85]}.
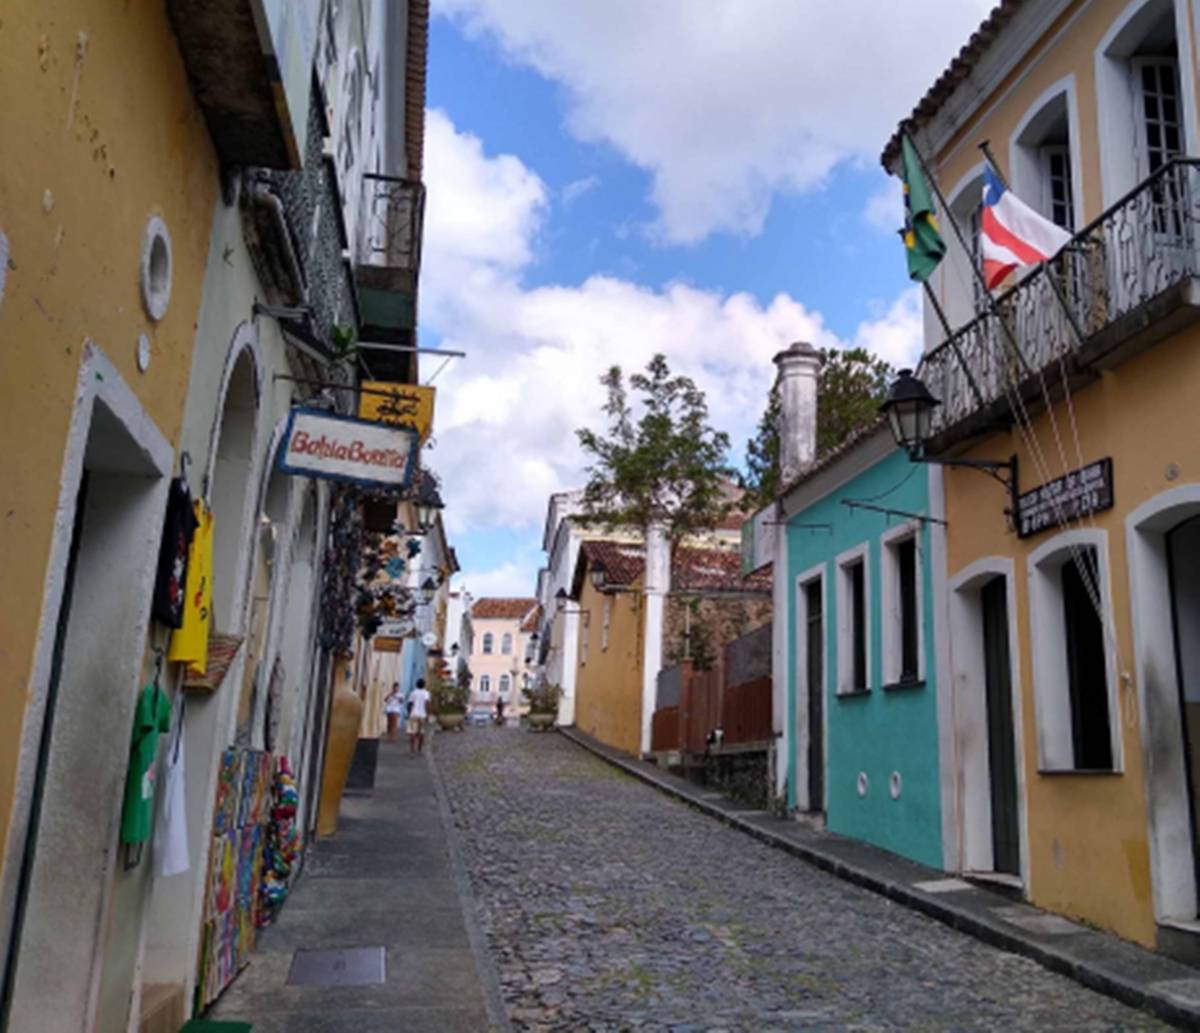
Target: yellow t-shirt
{"type": "Point", "coordinates": [189, 643]}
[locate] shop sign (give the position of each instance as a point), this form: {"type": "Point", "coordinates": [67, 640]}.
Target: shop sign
{"type": "Point", "coordinates": [408, 405]}
{"type": "Point", "coordinates": [386, 644]}
{"type": "Point", "coordinates": [1073, 496]}
{"type": "Point", "coordinates": [342, 448]}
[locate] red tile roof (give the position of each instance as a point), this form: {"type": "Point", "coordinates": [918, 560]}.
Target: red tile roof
{"type": "Point", "coordinates": [532, 619]}
{"type": "Point", "coordinates": [503, 609]}
{"type": "Point", "coordinates": [698, 570]}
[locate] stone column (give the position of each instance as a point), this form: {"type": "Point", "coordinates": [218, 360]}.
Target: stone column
{"type": "Point", "coordinates": [657, 585]}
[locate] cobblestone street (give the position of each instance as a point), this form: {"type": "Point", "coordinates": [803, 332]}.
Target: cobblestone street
{"type": "Point", "coordinates": [610, 906]}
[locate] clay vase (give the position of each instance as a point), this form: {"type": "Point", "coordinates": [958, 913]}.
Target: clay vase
{"type": "Point", "coordinates": [344, 719]}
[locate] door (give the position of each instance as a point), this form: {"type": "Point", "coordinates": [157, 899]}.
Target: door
{"type": "Point", "coordinates": [814, 681]}
{"type": "Point", "coordinates": [1183, 547]}
{"type": "Point", "coordinates": [1002, 760]}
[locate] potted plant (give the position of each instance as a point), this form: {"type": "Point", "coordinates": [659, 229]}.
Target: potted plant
{"type": "Point", "coordinates": [449, 699]}
{"type": "Point", "coordinates": [543, 705]}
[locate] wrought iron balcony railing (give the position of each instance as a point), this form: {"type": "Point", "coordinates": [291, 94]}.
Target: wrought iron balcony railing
{"type": "Point", "coordinates": [393, 223]}
{"type": "Point", "coordinates": [1136, 252]}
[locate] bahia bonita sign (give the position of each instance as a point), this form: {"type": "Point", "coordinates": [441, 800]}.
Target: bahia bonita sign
{"type": "Point", "coordinates": [342, 448]}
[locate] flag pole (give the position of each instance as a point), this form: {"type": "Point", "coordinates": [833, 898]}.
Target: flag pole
{"type": "Point", "coordinates": [952, 340]}
{"type": "Point", "coordinates": [975, 270]}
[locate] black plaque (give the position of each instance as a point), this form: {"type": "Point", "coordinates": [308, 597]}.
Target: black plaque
{"type": "Point", "coordinates": [1078, 494]}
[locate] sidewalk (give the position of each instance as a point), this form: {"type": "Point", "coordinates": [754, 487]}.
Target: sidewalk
{"type": "Point", "coordinates": [390, 878]}
{"type": "Point", "coordinates": [1100, 961]}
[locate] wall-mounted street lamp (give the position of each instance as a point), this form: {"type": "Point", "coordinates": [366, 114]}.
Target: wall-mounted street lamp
{"type": "Point", "coordinates": [428, 504]}
{"type": "Point", "coordinates": [428, 589]}
{"type": "Point", "coordinates": [560, 600]}
{"type": "Point", "coordinates": [909, 408]}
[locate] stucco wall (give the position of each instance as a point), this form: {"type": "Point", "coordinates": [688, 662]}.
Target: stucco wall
{"type": "Point", "coordinates": [719, 619]}
{"type": "Point", "coordinates": [608, 687]}
{"type": "Point", "coordinates": [496, 663]}
{"type": "Point", "coordinates": [885, 730]}
{"type": "Point", "coordinates": [109, 135]}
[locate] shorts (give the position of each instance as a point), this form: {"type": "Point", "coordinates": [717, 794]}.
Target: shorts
{"type": "Point", "coordinates": [414, 725]}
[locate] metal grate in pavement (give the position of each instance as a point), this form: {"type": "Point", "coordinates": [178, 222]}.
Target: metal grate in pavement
{"type": "Point", "coordinates": [351, 966]}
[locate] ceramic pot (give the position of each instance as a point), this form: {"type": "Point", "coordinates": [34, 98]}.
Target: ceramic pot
{"type": "Point", "coordinates": [344, 719]}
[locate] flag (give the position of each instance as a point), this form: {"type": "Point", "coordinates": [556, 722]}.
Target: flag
{"type": "Point", "coordinates": [1011, 233]}
{"type": "Point", "coordinates": [922, 240]}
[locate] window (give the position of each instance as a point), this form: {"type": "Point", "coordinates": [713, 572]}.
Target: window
{"type": "Point", "coordinates": [853, 630]}
{"type": "Point", "coordinates": [607, 621]}
{"type": "Point", "coordinates": [488, 642]}
{"type": "Point", "coordinates": [506, 644]}
{"type": "Point", "coordinates": [1058, 197]}
{"type": "Point", "coordinates": [902, 612]}
{"type": "Point", "coordinates": [485, 684]}
{"type": "Point", "coordinates": [1073, 663]}
{"type": "Point", "coordinates": [505, 684]}
{"type": "Point", "coordinates": [1160, 121]}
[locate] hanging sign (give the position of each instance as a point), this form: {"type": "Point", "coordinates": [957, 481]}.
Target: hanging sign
{"type": "Point", "coordinates": [341, 448]}
{"type": "Point", "coordinates": [408, 405]}
{"type": "Point", "coordinates": [1077, 494]}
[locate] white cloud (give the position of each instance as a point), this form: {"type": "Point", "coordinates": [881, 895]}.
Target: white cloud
{"type": "Point", "coordinates": [507, 414]}
{"type": "Point", "coordinates": [508, 579]}
{"type": "Point", "coordinates": [574, 190]}
{"type": "Point", "coordinates": [884, 210]}
{"type": "Point", "coordinates": [728, 102]}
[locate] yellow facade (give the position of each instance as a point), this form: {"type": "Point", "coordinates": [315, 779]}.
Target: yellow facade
{"type": "Point", "coordinates": [100, 133]}
{"type": "Point", "coordinates": [1088, 849]}
{"type": "Point", "coordinates": [608, 677]}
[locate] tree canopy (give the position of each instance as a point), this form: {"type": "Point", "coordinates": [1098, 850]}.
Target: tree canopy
{"type": "Point", "coordinates": [665, 465]}
{"type": "Point", "coordinates": [851, 385]}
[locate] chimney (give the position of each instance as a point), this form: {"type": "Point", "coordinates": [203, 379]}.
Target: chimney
{"type": "Point", "coordinates": [798, 409]}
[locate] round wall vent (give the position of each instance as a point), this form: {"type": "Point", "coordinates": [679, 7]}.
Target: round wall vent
{"type": "Point", "coordinates": [156, 268]}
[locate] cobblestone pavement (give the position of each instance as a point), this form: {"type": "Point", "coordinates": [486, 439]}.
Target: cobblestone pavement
{"type": "Point", "coordinates": [609, 906]}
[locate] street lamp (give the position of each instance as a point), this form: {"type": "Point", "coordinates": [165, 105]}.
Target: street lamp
{"type": "Point", "coordinates": [428, 589]}
{"type": "Point", "coordinates": [909, 408]}
{"type": "Point", "coordinates": [560, 600]}
{"type": "Point", "coordinates": [428, 503]}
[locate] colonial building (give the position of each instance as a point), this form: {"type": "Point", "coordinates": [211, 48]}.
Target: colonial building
{"type": "Point", "coordinates": [174, 280]}
{"type": "Point", "coordinates": [705, 604]}
{"type": "Point", "coordinates": [1071, 595]}
{"type": "Point", "coordinates": [503, 658]}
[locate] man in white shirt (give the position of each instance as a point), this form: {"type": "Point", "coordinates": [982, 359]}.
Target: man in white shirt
{"type": "Point", "coordinates": [418, 714]}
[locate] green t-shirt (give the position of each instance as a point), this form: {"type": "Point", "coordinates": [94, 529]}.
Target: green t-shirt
{"type": "Point", "coordinates": [152, 717]}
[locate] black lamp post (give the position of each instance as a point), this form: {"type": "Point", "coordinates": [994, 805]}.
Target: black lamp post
{"type": "Point", "coordinates": [909, 408]}
{"type": "Point", "coordinates": [428, 589]}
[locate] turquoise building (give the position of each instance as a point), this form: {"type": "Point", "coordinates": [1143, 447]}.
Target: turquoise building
{"type": "Point", "coordinates": [865, 717]}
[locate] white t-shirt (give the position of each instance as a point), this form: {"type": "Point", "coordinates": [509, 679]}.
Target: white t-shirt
{"type": "Point", "coordinates": [419, 698]}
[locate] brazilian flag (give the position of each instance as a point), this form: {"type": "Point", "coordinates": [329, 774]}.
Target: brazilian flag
{"type": "Point", "coordinates": [922, 240]}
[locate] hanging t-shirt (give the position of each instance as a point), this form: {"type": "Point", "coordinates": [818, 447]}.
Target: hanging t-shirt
{"type": "Point", "coordinates": [151, 718]}
{"type": "Point", "coordinates": [190, 643]}
{"type": "Point", "coordinates": [178, 528]}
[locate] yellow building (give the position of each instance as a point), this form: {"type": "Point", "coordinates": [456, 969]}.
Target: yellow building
{"type": "Point", "coordinates": [1074, 620]}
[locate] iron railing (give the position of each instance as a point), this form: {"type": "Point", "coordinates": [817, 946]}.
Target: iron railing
{"type": "Point", "coordinates": [393, 222]}
{"type": "Point", "coordinates": [1142, 246]}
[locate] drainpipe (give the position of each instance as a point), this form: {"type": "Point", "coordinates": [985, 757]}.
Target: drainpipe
{"type": "Point", "coordinates": [286, 274]}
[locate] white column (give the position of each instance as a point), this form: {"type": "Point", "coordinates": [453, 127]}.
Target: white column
{"type": "Point", "coordinates": [567, 663]}
{"type": "Point", "coordinates": [781, 617]}
{"type": "Point", "coordinates": [798, 367]}
{"type": "Point", "coordinates": [657, 584]}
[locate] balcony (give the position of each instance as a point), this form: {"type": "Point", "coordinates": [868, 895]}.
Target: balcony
{"type": "Point", "coordinates": [1125, 282]}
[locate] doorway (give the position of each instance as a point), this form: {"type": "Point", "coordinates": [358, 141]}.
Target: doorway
{"type": "Point", "coordinates": [1183, 549]}
{"type": "Point", "coordinates": [1001, 743]}
{"type": "Point", "coordinates": [810, 693]}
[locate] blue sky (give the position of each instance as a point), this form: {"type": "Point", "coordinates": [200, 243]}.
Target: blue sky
{"type": "Point", "coordinates": [595, 197]}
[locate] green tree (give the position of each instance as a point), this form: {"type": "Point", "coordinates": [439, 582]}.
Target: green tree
{"type": "Point", "coordinates": [851, 385]}
{"type": "Point", "coordinates": [666, 466]}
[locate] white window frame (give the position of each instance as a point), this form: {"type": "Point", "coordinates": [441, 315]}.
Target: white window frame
{"type": "Point", "coordinates": [845, 629]}
{"type": "Point", "coordinates": [1048, 649]}
{"type": "Point", "coordinates": [607, 619]}
{"type": "Point", "coordinates": [506, 644]}
{"type": "Point", "coordinates": [489, 643]}
{"type": "Point", "coordinates": [485, 684]}
{"type": "Point", "coordinates": [504, 685]}
{"type": "Point", "coordinates": [890, 609]}
{"type": "Point", "coordinates": [1029, 165]}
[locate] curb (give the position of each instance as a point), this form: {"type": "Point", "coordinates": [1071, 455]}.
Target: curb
{"type": "Point", "coordinates": [485, 969]}
{"type": "Point", "coordinates": [1092, 975]}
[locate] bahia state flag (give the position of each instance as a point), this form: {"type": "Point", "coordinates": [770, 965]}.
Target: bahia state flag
{"type": "Point", "coordinates": [922, 240]}
{"type": "Point", "coordinates": [1012, 234]}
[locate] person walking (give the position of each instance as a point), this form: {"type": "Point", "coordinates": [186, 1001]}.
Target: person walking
{"type": "Point", "coordinates": [500, 712]}
{"type": "Point", "coordinates": [393, 707]}
{"type": "Point", "coordinates": [418, 715]}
